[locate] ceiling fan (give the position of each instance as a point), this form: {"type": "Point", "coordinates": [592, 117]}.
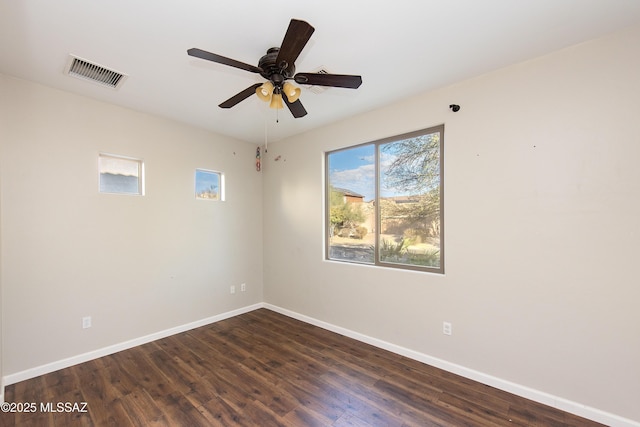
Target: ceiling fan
{"type": "Point", "coordinates": [278, 66]}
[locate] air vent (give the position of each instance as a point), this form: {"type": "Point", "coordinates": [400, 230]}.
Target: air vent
{"type": "Point", "coordinates": [318, 89]}
{"type": "Point", "coordinates": [83, 69]}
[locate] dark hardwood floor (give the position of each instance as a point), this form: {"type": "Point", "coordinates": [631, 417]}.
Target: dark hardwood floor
{"type": "Point", "coordinates": [265, 369]}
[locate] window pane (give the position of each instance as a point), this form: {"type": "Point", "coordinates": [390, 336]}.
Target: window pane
{"type": "Point", "coordinates": [410, 201]}
{"type": "Point", "coordinates": [208, 186]}
{"type": "Point", "coordinates": [350, 202]}
{"type": "Point", "coordinates": [120, 174]}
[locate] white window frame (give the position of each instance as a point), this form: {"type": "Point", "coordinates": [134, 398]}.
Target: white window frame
{"type": "Point", "coordinates": [221, 185]}
{"type": "Point", "coordinates": [139, 172]}
{"type": "Point", "coordinates": [377, 198]}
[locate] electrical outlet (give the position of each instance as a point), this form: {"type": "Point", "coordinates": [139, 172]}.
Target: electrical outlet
{"type": "Point", "coordinates": [447, 328]}
{"type": "Point", "coordinates": [233, 289]}
{"type": "Point", "coordinates": [86, 322]}
{"type": "Point", "coordinates": [243, 287]}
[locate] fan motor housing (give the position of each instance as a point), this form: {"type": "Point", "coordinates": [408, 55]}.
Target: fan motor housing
{"type": "Point", "coordinates": [277, 73]}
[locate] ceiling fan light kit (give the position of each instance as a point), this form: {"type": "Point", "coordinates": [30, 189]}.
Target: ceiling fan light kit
{"type": "Point", "coordinates": [277, 66]}
{"type": "Point", "coordinates": [267, 92]}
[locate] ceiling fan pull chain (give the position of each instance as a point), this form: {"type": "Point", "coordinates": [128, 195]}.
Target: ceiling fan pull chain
{"type": "Point", "coordinates": [266, 140]}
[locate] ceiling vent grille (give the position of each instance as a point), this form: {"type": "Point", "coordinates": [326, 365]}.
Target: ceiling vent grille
{"type": "Point", "coordinates": [318, 89]}
{"type": "Point", "coordinates": [83, 69]}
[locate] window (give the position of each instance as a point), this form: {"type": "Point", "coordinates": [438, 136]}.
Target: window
{"type": "Point", "coordinates": [385, 202]}
{"type": "Point", "coordinates": [209, 185]}
{"type": "Point", "coordinates": [122, 175]}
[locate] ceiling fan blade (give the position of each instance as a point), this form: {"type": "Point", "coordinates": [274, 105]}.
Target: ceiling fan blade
{"type": "Point", "coordinates": [335, 80]}
{"type": "Point", "coordinates": [241, 96]}
{"type": "Point", "coordinates": [296, 108]}
{"type": "Point", "coordinates": [203, 54]}
{"type": "Point", "coordinates": [297, 36]}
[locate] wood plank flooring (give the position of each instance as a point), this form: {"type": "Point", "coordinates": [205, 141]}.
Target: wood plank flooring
{"type": "Point", "coordinates": [265, 369]}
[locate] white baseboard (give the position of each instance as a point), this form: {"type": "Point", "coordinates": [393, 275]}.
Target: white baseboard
{"type": "Point", "coordinates": [517, 389]}
{"type": "Point", "coordinates": [85, 357]}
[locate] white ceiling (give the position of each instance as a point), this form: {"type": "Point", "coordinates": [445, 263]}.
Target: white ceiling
{"type": "Point", "coordinates": [400, 48]}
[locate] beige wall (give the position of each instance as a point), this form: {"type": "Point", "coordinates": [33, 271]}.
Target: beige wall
{"type": "Point", "coordinates": [541, 209]}
{"type": "Point", "coordinates": [137, 265]}
{"type": "Point", "coordinates": [542, 214]}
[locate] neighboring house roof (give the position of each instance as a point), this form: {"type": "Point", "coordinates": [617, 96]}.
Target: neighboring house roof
{"type": "Point", "coordinates": [347, 192]}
